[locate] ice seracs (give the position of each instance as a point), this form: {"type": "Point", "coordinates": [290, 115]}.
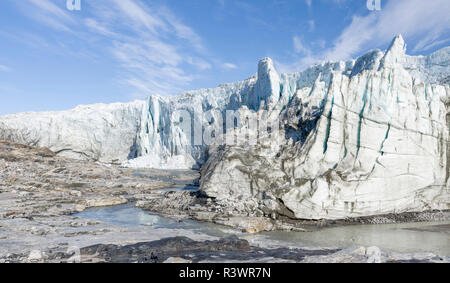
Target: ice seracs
{"type": "Point", "coordinates": [103, 132]}
{"type": "Point", "coordinates": [363, 137]}
{"type": "Point", "coordinates": [372, 142]}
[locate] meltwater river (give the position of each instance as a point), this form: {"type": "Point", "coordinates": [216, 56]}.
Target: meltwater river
{"type": "Point", "coordinates": [405, 238]}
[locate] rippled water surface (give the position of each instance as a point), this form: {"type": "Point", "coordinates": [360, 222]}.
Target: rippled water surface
{"type": "Point", "coordinates": [406, 237]}
{"type": "Point", "coordinates": [129, 216]}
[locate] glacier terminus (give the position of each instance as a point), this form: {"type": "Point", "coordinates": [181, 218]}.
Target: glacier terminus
{"type": "Point", "coordinates": [364, 137]}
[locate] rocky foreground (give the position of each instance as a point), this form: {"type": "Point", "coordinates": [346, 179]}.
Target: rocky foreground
{"type": "Point", "coordinates": [39, 193]}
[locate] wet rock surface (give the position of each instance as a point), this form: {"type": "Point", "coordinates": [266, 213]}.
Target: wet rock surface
{"type": "Point", "coordinates": [229, 249]}
{"type": "Point", "coordinates": [34, 182]}
{"type": "Point", "coordinates": [225, 249]}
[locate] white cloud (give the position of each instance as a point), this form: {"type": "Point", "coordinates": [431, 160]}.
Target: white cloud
{"type": "Point", "coordinates": [26, 38]}
{"type": "Point", "coordinates": [423, 45]}
{"type": "Point", "coordinates": [229, 66]}
{"type": "Point", "coordinates": [412, 18]}
{"type": "Point", "coordinates": [299, 47]}
{"type": "Point", "coordinates": [4, 68]}
{"type": "Point", "coordinates": [312, 25]}
{"type": "Point", "coordinates": [182, 31]}
{"type": "Point", "coordinates": [51, 8]}
{"type": "Point", "coordinates": [152, 46]}
{"type": "Point", "coordinates": [153, 56]}
{"type": "Point", "coordinates": [48, 13]}
{"type": "Point", "coordinates": [423, 21]}
{"type": "Point", "coordinates": [309, 3]}
{"type": "Point", "coordinates": [95, 26]}
{"type": "Point", "coordinates": [138, 15]}
{"type": "Point", "coordinates": [199, 63]}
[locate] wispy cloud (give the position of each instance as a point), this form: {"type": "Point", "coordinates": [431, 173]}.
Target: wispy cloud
{"type": "Point", "coordinates": [48, 13]}
{"type": "Point", "coordinates": [152, 46]}
{"type": "Point", "coordinates": [308, 3]}
{"type": "Point", "coordinates": [139, 15]}
{"type": "Point", "coordinates": [4, 68]}
{"type": "Point", "coordinates": [312, 25]}
{"type": "Point", "coordinates": [425, 21]}
{"type": "Point", "coordinates": [411, 18]}
{"type": "Point", "coordinates": [26, 38]}
{"type": "Point", "coordinates": [155, 48]}
{"type": "Point", "coordinates": [182, 31]}
{"type": "Point", "coordinates": [299, 47]}
{"type": "Point", "coordinates": [95, 26]}
{"type": "Point", "coordinates": [229, 66]}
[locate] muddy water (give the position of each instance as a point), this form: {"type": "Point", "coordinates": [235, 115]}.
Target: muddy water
{"type": "Point", "coordinates": [129, 216]}
{"type": "Point", "coordinates": [404, 238]}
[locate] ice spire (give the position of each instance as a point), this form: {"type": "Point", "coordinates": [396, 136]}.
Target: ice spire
{"type": "Point", "coordinates": [395, 53]}
{"type": "Point", "coordinates": [267, 88]}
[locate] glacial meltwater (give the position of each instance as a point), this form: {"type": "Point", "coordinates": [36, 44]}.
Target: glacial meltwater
{"type": "Point", "coordinates": [406, 237]}
{"type": "Point", "coordinates": [129, 216]}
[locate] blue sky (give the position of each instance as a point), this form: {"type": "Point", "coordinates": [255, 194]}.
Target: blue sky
{"type": "Point", "coordinates": [52, 58]}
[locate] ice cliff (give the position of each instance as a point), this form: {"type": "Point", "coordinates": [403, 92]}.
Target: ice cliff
{"type": "Point", "coordinates": [97, 132]}
{"type": "Point", "coordinates": [363, 137]}
{"type": "Point", "coordinates": [359, 138]}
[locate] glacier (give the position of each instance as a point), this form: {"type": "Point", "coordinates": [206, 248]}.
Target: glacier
{"type": "Point", "coordinates": [362, 137]}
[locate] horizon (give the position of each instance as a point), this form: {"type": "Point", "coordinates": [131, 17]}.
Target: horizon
{"type": "Point", "coordinates": [54, 58]}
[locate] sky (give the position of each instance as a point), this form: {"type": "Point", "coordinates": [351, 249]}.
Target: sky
{"type": "Point", "coordinates": [55, 58]}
